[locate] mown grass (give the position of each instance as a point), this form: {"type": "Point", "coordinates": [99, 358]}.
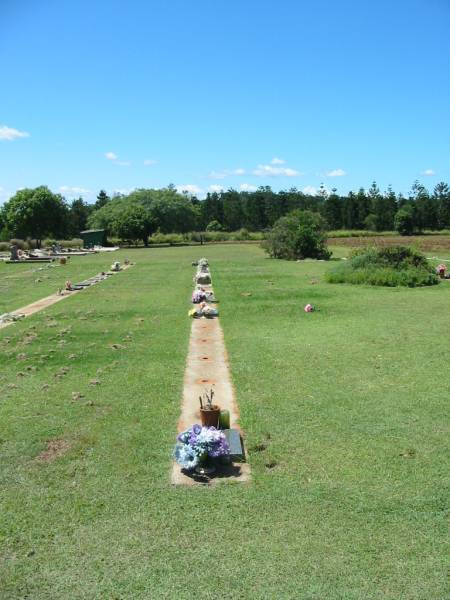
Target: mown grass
{"type": "Point", "coordinates": [21, 284]}
{"type": "Point", "coordinates": [344, 411]}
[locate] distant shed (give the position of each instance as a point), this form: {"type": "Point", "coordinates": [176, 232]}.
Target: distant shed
{"type": "Point", "coordinates": [93, 237]}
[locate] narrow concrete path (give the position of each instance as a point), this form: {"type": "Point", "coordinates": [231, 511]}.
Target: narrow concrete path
{"type": "Point", "coordinates": [206, 366]}
{"type": "Point", "coordinates": [39, 305]}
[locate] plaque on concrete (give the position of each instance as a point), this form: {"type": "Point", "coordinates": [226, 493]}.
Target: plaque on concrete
{"type": "Point", "coordinates": [237, 452]}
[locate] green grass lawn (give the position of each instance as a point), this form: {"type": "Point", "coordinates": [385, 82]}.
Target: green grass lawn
{"type": "Point", "coordinates": [346, 424]}
{"type": "Point", "coordinates": [21, 284]}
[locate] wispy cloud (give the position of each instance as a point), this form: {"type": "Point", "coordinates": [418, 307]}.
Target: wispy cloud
{"type": "Point", "coordinates": [68, 190]}
{"type": "Point", "coordinates": [336, 173]}
{"type": "Point", "coordinates": [277, 161]}
{"type": "Point", "coordinates": [226, 173]}
{"type": "Point", "coordinates": [190, 188]}
{"type": "Point", "coordinates": [149, 161]}
{"type": "Point", "coordinates": [429, 172]}
{"type": "Point", "coordinates": [271, 171]}
{"type": "Point", "coordinates": [10, 134]}
{"type": "Point", "coordinates": [215, 188]}
{"type": "Point", "coordinates": [247, 187]}
{"type": "Point", "coordinates": [112, 156]}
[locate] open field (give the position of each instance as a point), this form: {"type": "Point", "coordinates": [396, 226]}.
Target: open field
{"type": "Point", "coordinates": [426, 243]}
{"type": "Point", "coordinates": [344, 410]}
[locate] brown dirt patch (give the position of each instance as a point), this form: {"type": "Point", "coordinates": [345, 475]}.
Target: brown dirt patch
{"type": "Point", "coordinates": [423, 242]}
{"type": "Point", "coordinates": [55, 449]}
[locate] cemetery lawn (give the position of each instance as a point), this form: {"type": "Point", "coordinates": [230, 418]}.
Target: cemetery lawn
{"type": "Point", "coordinates": [22, 284]}
{"type": "Point", "coordinates": [346, 422]}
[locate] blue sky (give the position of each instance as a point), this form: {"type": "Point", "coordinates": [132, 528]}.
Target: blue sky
{"type": "Point", "coordinates": [223, 93]}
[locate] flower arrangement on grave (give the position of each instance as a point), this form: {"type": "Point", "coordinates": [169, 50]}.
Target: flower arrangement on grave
{"type": "Point", "coordinates": [198, 296]}
{"type": "Point", "coordinates": [197, 445]}
{"type": "Point", "coordinates": [209, 412]}
{"type": "Point", "coordinates": [203, 310]}
{"type": "Point", "coordinates": [309, 308]}
{"type": "Point", "coordinates": [441, 269]}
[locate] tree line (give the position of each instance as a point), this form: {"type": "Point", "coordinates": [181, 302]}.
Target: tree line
{"type": "Point", "coordinates": [38, 213]}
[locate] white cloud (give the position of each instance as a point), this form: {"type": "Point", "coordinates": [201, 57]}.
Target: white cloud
{"type": "Point", "coordinates": [73, 191]}
{"type": "Point", "coordinates": [336, 173]}
{"type": "Point", "coordinates": [429, 172]}
{"type": "Point", "coordinates": [115, 160]}
{"type": "Point", "coordinates": [277, 161]}
{"type": "Point", "coordinates": [271, 171]}
{"type": "Point", "coordinates": [215, 188]}
{"type": "Point", "coordinates": [247, 187]}
{"type": "Point", "coordinates": [189, 188]}
{"type": "Point", "coordinates": [226, 173]}
{"type": "Point", "coordinates": [310, 190]}
{"type": "Point", "coordinates": [150, 161]}
{"type": "Point", "coordinates": [10, 134]}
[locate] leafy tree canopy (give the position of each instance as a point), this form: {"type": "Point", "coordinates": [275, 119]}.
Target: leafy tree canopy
{"type": "Point", "coordinates": [36, 213]}
{"type": "Point", "coordinates": [300, 234]}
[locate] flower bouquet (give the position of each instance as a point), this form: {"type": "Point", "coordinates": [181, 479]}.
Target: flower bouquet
{"type": "Point", "coordinates": [198, 447]}
{"type": "Point", "coordinates": [440, 270]}
{"type": "Point", "coordinates": [198, 296]}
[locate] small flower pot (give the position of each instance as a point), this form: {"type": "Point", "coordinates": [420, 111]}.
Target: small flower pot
{"type": "Point", "coordinates": [210, 418]}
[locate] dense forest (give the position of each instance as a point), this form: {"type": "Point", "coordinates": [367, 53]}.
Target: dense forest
{"type": "Point", "coordinates": [37, 213]}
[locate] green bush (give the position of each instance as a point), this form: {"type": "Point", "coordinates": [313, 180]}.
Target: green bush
{"type": "Point", "coordinates": [394, 266]}
{"type": "Point", "coordinates": [166, 238]}
{"type": "Point", "coordinates": [404, 220]}
{"type": "Point", "coordinates": [73, 243]}
{"type": "Point", "coordinates": [300, 234]}
{"type": "Point", "coordinates": [4, 246]}
{"type": "Point", "coordinates": [19, 243]}
{"type": "Point", "coordinates": [214, 226]}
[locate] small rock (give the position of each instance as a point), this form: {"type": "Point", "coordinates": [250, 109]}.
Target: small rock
{"type": "Point", "coordinates": [94, 382]}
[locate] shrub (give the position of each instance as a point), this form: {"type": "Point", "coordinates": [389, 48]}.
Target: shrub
{"type": "Point", "coordinates": [19, 243]}
{"type": "Point", "coordinates": [404, 221]}
{"type": "Point", "coordinates": [166, 238]}
{"type": "Point", "coordinates": [241, 235]}
{"type": "Point", "coordinates": [4, 246]}
{"type": "Point", "coordinates": [392, 266]}
{"type": "Point", "coordinates": [299, 234]}
{"type": "Point", "coordinates": [214, 226]}
{"type": "Point", "coordinates": [73, 243]}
